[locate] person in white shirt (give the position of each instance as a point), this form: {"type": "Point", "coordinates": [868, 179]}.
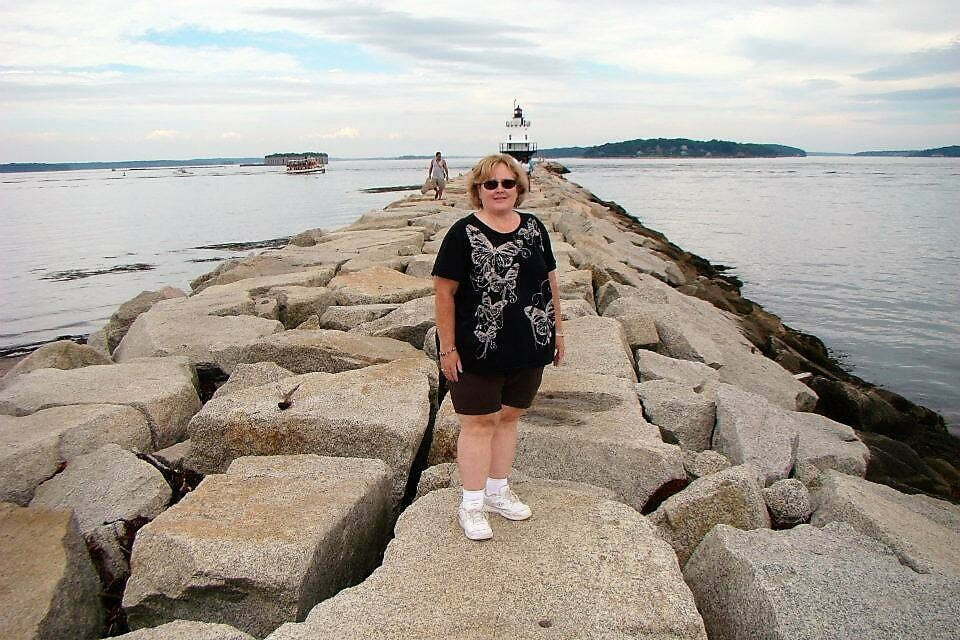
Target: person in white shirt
{"type": "Point", "coordinates": [438, 171]}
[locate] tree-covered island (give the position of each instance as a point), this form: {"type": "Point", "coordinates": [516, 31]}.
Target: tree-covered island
{"type": "Point", "coordinates": [675, 148]}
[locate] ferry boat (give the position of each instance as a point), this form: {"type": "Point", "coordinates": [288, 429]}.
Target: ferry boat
{"type": "Point", "coordinates": [518, 143]}
{"type": "Point", "coordinates": [307, 165]}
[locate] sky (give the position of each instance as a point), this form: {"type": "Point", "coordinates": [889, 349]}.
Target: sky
{"type": "Point", "coordinates": [103, 80]}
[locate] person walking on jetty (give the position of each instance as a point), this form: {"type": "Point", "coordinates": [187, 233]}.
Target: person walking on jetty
{"type": "Point", "coordinates": [498, 326]}
{"type": "Point", "coordinates": [439, 173]}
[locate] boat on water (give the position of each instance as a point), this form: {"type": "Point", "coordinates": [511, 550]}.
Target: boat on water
{"type": "Point", "coordinates": [518, 143]}
{"type": "Point", "coordinates": [182, 172]}
{"type": "Point", "coordinates": [307, 165]}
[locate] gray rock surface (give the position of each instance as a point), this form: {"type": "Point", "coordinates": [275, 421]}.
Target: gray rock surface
{"type": "Point", "coordinates": [62, 354]}
{"type": "Point", "coordinates": [409, 322]}
{"type": "Point", "coordinates": [702, 463]}
{"type": "Point", "coordinates": [694, 375]}
{"type": "Point", "coordinates": [807, 583]}
{"type": "Point", "coordinates": [48, 586]}
{"type": "Point", "coordinates": [187, 630]}
{"type": "Point", "coordinates": [257, 374]}
{"type": "Point", "coordinates": [684, 417]}
{"type": "Point", "coordinates": [323, 350]}
{"type": "Point", "coordinates": [162, 389]}
{"type": "Point", "coordinates": [107, 490]}
{"type": "Point", "coordinates": [300, 303]}
{"type": "Point", "coordinates": [693, 329]}
{"type": "Point", "coordinates": [124, 317]}
{"type": "Point", "coordinates": [732, 497]}
{"type": "Point", "coordinates": [789, 502]}
{"type": "Point", "coordinates": [380, 412]}
{"type": "Point", "coordinates": [446, 475]}
{"type": "Point", "coordinates": [750, 429]}
{"type": "Point", "coordinates": [599, 346]}
{"type": "Point", "coordinates": [520, 586]}
{"type": "Point", "coordinates": [570, 309]}
{"type": "Point", "coordinates": [34, 447]}
{"type": "Point", "coordinates": [262, 543]}
{"type": "Point", "coordinates": [923, 532]}
{"type": "Point", "coordinates": [180, 327]}
{"type": "Point", "coordinates": [582, 428]}
{"type": "Point", "coordinates": [379, 285]}
{"type": "Point", "coordinates": [344, 318]}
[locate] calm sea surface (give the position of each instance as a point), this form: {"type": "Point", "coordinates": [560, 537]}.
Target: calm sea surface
{"type": "Point", "coordinates": [862, 252]}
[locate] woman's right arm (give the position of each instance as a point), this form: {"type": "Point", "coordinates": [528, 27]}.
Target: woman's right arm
{"type": "Point", "coordinates": [450, 363]}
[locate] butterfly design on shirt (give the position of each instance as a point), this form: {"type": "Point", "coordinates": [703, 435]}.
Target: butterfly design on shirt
{"type": "Point", "coordinates": [541, 315]}
{"type": "Point", "coordinates": [530, 232]}
{"type": "Point", "coordinates": [489, 316]}
{"type": "Point", "coordinates": [494, 274]}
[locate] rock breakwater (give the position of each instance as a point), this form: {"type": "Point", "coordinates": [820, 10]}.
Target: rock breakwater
{"type": "Point", "coordinates": [684, 465]}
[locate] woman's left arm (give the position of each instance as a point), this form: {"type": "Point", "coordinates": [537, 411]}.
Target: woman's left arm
{"type": "Point", "coordinates": [558, 316]}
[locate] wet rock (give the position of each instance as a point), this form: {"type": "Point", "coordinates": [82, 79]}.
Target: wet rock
{"type": "Point", "coordinates": [809, 583]}
{"type": "Point", "coordinates": [35, 447]}
{"type": "Point", "coordinates": [789, 502]}
{"type": "Point", "coordinates": [48, 586]}
{"type": "Point", "coordinates": [261, 544]}
{"type": "Point", "coordinates": [637, 590]}
{"type": "Point", "coordinates": [732, 497]}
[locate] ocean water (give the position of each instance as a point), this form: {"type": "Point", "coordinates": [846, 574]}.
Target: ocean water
{"type": "Point", "coordinates": [862, 252]}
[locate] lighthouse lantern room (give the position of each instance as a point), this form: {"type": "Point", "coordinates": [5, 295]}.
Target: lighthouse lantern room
{"type": "Point", "coordinates": [517, 141]}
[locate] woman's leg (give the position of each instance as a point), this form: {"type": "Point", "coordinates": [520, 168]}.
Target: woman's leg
{"type": "Point", "coordinates": [503, 446]}
{"type": "Point", "coordinates": [474, 448]}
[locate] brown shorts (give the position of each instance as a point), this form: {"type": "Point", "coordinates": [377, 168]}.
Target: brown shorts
{"type": "Point", "coordinates": [479, 394]}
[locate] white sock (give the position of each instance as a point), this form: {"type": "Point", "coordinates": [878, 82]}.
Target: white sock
{"type": "Point", "coordinates": [494, 485]}
{"type": "Point", "coordinates": [472, 499]}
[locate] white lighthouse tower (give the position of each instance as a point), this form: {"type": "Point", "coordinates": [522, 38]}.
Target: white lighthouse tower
{"type": "Point", "coordinates": [517, 142]}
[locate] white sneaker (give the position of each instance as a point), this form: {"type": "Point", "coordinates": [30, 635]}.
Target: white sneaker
{"type": "Point", "coordinates": [474, 523]}
{"type": "Point", "coordinates": [507, 504]}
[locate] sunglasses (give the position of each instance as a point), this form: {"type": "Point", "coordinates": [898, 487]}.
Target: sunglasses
{"type": "Point", "coordinates": [490, 185]}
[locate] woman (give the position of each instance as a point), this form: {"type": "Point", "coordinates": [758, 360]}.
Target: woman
{"type": "Point", "coordinates": [498, 325]}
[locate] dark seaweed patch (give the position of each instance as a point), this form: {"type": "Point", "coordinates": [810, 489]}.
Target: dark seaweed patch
{"type": "Point", "coordinates": [77, 274]}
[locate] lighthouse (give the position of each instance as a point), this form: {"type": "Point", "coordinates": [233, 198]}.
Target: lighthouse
{"type": "Point", "coordinates": [517, 141]}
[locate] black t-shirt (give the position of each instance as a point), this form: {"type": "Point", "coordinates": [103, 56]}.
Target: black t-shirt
{"type": "Point", "coordinates": [504, 316]}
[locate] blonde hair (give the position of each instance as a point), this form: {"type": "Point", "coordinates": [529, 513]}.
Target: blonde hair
{"type": "Point", "coordinates": [484, 171]}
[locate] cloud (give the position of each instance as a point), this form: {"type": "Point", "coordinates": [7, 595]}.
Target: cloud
{"type": "Point", "coordinates": [163, 134]}
{"type": "Point", "coordinates": [928, 62]}
{"type": "Point", "coordinates": [480, 44]}
{"type": "Point", "coordinates": [910, 95]}
{"type": "Point", "coordinates": [230, 135]}
{"type": "Point", "coordinates": [343, 132]}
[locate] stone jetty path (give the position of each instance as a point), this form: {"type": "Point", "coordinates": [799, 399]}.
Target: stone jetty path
{"type": "Point", "coordinates": [272, 456]}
